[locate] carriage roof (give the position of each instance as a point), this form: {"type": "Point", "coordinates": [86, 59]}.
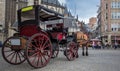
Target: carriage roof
{"type": "Point", "coordinates": [38, 12]}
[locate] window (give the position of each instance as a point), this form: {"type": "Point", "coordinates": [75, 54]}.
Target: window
{"type": "Point", "coordinates": [115, 27]}
{"type": "Point", "coordinates": [118, 4]}
{"type": "Point", "coordinates": [115, 15]}
{"type": "Point", "coordinates": [115, 4]}
{"type": "Point", "coordinates": [106, 16]}
{"type": "Point", "coordinates": [106, 6]}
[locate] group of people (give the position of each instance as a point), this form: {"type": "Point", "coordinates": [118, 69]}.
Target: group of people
{"type": "Point", "coordinates": [99, 45]}
{"type": "Point", "coordinates": [96, 45]}
{"type": "Point", "coordinates": [113, 45]}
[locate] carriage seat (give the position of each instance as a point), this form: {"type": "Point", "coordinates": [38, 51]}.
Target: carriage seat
{"type": "Point", "coordinates": [29, 28]}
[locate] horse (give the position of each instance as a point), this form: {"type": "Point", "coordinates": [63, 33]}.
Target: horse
{"type": "Point", "coordinates": [83, 41]}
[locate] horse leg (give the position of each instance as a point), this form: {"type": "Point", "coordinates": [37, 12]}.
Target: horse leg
{"type": "Point", "coordinates": [86, 50]}
{"type": "Point", "coordinates": [83, 50]}
{"type": "Point", "coordinates": [77, 52]}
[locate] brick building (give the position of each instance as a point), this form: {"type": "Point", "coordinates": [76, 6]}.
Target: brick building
{"type": "Point", "coordinates": [92, 22]}
{"type": "Point", "coordinates": [109, 20]}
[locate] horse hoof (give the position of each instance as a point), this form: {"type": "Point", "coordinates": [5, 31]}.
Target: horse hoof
{"type": "Point", "coordinates": [83, 54]}
{"type": "Point", "coordinates": [86, 53]}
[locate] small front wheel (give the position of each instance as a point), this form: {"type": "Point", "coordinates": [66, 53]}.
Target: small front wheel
{"type": "Point", "coordinates": [71, 51]}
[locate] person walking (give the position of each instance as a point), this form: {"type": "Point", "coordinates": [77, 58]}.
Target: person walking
{"type": "Point", "coordinates": [93, 44]}
{"type": "Point", "coordinates": [116, 45]}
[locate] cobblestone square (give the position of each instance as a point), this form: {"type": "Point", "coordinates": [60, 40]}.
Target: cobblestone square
{"type": "Point", "coordinates": [98, 60]}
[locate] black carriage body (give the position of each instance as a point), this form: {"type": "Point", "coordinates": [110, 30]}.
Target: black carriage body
{"type": "Point", "coordinates": [30, 17]}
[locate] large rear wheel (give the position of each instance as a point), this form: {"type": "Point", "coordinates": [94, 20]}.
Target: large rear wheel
{"type": "Point", "coordinates": [39, 50]}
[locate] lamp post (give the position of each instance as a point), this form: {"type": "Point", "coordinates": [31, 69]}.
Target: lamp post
{"type": "Point", "coordinates": [115, 39]}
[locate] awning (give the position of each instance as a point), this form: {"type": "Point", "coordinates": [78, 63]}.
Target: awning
{"type": "Point", "coordinates": [95, 40]}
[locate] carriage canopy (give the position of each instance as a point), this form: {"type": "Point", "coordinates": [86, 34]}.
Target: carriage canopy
{"type": "Point", "coordinates": [37, 13]}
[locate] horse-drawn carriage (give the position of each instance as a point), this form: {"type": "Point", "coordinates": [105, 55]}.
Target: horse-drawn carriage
{"type": "Point", "coordinates": [34, 44]}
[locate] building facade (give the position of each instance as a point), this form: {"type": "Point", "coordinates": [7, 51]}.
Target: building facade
{"type": "Point", "coordinates": [11, 7]}
{"type": "Point", "coordinates": [93, 27]}
{"type": "Point", "coordinates": [109, 20]}
{"type": "Point", "coordinates": [2, 20]}
{"type": "Point", "coordinates": [92, 22]}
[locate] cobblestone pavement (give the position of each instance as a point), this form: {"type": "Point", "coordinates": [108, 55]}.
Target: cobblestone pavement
{"type": "Point", "coordinates": [98, 60]}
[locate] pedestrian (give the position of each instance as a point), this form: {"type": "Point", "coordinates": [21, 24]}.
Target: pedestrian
{"type": "Point", "coordinates": [93, 44]}
{"type": "Point", "coordinates": [102, 45]}
{"type": "Point", "coordinates": [107, 45]}
{"type": "Point", "coordinates": [99, 45]}
{"type": "Point", "coordinates": [116, 45]}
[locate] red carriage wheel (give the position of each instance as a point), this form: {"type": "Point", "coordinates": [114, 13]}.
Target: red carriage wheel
{"type": "Point", "coordinates": [38, 50]}
{"type": "Point", "coordinates": [12, 54]}
{"type": "Point", "coordinates": [71, 51]}
{"type": "Point", "coordinates": [55, 50]}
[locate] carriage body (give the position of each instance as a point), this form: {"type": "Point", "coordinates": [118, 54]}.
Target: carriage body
{"type": "Point", "coordinates": [32, 43]}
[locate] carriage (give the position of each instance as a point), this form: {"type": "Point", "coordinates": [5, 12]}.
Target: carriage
{"type": "Point", "coordinates": [37, 45]}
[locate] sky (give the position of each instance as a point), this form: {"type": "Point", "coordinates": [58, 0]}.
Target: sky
{"type": "Point", "coordinates": [85, 9]}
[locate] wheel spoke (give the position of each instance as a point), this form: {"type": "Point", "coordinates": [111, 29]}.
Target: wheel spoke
{"type": "Point", "coordinates": [42, 45]}
{"type": "Point", "coordinates": [45, 58]}
{"type": "Point", "coordinates": [41, 61]}
{"type": "Point", "coordinates": [19, 57]}
{"type": "Point", "coordinates": [33, 54]}
{"type": "Point", "coordinates": [48, 45]}
{"type": "Point", "coordinates": [71, 55]}
{"type": "Point", "coordinates": [10, 54]}
{"type": "Point", "coordinates": [22, 54]}
{"type": "Point", "coordinates": [38, 60]}
{"type": "Point", "coordinates": [8, 51]}
{"type": "Point", "coordinates": [12, 57]}
{"type": "Point", "coordinates": [36, 42]}
{"type": "Point", "coordinates": [40, 42]}
{"type": "Point", "coordinates": [32, 45]}
{"type": "Point", "coordinates": [34, 59]}
{"type": "Point", "coordinates": [16, 58]}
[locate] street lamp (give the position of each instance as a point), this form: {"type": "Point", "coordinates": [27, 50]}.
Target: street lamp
{"type": "Point", "coordinates": [115, 39]}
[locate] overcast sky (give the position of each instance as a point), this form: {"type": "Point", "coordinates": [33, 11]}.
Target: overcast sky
{"type": "Point", "coordinates": [85, 9]}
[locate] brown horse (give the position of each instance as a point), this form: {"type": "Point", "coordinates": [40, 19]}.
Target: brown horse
{"type": "Point", "coordinates": [83, 42]}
